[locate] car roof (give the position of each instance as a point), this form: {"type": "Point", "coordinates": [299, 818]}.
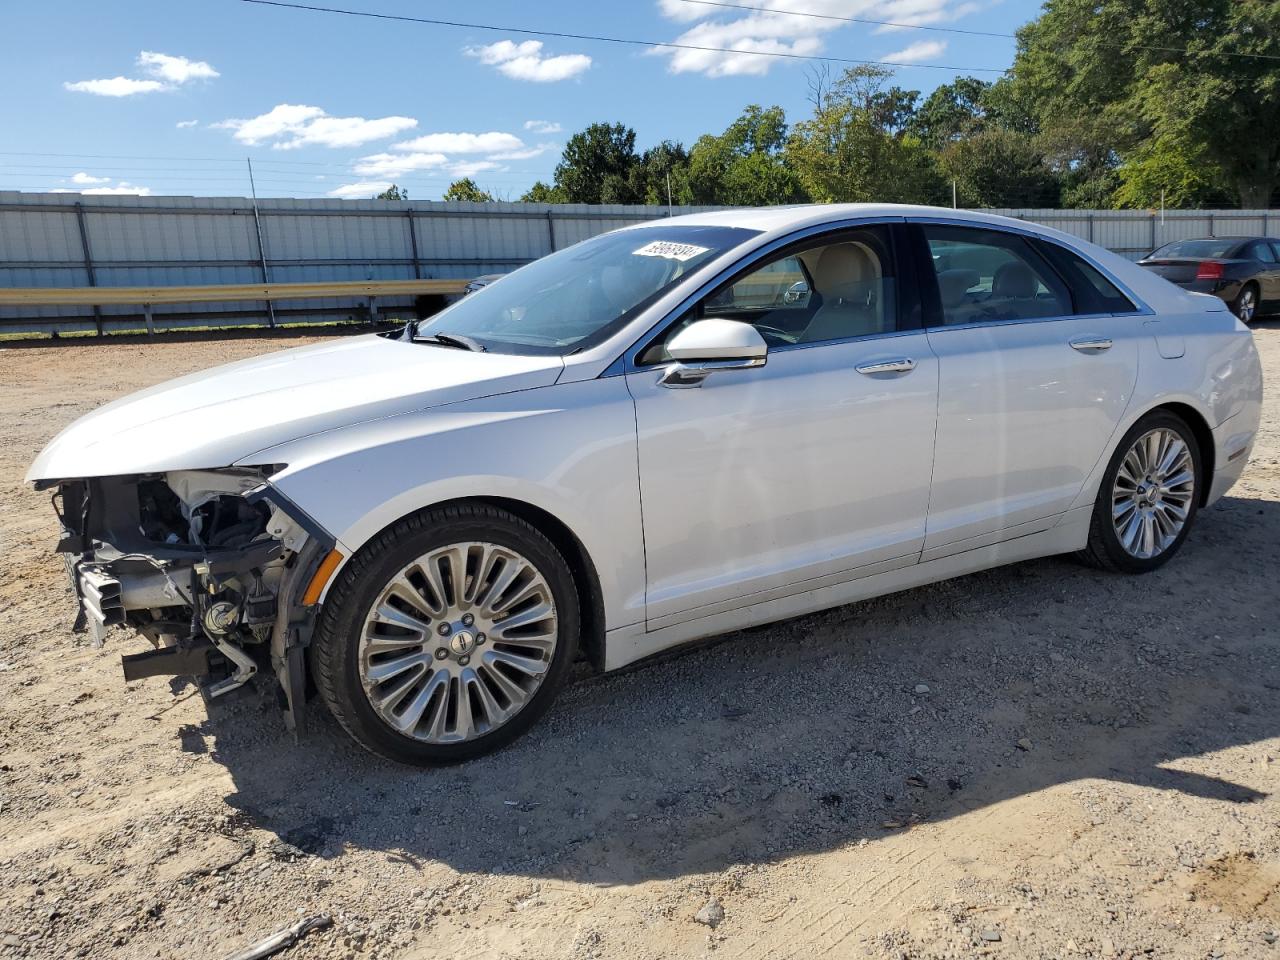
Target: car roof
{"type": "Point", "coordinates": [770, 219]}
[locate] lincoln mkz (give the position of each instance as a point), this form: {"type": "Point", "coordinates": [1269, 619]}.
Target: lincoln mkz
{"type": "Point", "coordinates": [660, 434]}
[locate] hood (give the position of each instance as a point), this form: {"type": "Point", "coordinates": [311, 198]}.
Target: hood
{"type": "Point", "coordinates": [224, 415]}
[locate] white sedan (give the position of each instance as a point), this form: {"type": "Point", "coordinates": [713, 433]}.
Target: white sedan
{"type": "Point", "coordinates": [663, 433]}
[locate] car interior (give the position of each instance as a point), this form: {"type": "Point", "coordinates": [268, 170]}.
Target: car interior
{"type": "Point", "coordinates": [979, 282]}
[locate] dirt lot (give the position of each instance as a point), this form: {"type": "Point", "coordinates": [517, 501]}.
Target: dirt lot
{"type": "Point", "coordinates": [1040, 761]}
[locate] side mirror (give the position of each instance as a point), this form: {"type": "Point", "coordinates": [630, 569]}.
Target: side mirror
{"type": "Point", "coordinates": [706, 346]}
{"type": "Point", "coordinates": [798, 292]}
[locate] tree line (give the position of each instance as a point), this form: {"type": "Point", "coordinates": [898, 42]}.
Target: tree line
{"type": "Point", "coordinates": [1109, 103]}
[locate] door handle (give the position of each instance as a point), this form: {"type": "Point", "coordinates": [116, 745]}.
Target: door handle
{"type": "Point", "coordinates": [1091, 344]}
{"type": "Point", "coordinates": [904, 365]}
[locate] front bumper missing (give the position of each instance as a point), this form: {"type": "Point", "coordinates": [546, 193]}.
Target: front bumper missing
{"type": "Point", "coordinates": [216, 614]}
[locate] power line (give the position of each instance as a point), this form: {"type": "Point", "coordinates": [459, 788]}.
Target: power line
{"type": "Point", "coordinates": [628, 41]}
{"type": "Point", "coordinates": [960, 30]}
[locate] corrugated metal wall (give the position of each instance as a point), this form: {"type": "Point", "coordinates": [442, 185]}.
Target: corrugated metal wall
{"type": "Point", "coordinates": [58, 240]}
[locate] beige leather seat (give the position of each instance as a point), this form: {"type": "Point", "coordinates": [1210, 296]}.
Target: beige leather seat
{"type": "Point", "coordinates": [848, 278]}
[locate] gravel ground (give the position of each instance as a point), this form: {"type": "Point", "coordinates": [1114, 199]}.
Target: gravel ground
{"type": "Point", "coordinates": [1038, 761]}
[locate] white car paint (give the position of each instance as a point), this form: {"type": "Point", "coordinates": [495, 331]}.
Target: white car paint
{"type": "Point", "coordinates": [763, 493]}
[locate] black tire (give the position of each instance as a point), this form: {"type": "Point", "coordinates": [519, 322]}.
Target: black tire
{"type": "Point", "coordinates": [1104, 549]}
{"type": "Point", "coordinates": [1238, 304]}
{"type": "Point", "coordinates": [335, 649]}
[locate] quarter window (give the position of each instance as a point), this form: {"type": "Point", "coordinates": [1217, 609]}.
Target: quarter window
{"type": "Point", "coordinates": [1090, 289]}
{"type": "Point", "coordinates": [986, 275]}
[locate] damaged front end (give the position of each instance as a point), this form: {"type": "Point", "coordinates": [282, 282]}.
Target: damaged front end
{"type": "Point", "coordinates": [212, 566]}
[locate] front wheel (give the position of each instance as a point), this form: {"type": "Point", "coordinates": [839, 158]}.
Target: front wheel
{"type": "Point", "coordinates": [447, 636]}
{"type": "Point", "coordinates": [1149, 496]}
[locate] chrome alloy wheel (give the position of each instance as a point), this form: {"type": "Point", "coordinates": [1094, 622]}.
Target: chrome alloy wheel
{"type": "Point", "coordinates": [1151, 497]}
{"type": "Point", "coordinates": [1247, 305]}
{"type": "Point", "coordinates": [458, 642]}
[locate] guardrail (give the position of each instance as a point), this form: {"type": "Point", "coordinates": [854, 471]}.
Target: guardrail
{"type": "Point", "coordinates": [147, 297]}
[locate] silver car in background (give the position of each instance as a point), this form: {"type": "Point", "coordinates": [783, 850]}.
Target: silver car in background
{"type": "Point", "coordinates": [660, 434]}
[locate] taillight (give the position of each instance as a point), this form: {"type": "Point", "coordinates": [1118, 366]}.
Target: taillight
{"type": "Point", "coordinates": [1209, 270]}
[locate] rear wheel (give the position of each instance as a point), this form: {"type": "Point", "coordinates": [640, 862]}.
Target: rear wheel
{"type": "Point", "coordinates": [447, 636]}
{"type": "Point", "coordinates": [1148, 498]}
{"type": "Point", "coordinates": [1246, 304]}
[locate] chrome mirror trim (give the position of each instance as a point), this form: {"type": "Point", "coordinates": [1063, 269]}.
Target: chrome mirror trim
{"type": "Point", "coordinates": [683, 375]}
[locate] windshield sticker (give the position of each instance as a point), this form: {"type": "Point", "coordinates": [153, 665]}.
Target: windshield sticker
{"type": "Point", "coordinates": [670, 250]}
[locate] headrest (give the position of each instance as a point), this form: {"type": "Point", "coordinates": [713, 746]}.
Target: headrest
{"type": "Point", "coordinates": [1015, 280]}
{"type": "Point", "coordinates": [954, 284]}
{"type": "Point", "coordinates": [842, 264]}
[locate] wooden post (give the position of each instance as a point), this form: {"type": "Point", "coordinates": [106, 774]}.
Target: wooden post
{"type": "Point", "coordinates": [151, 326]}
{"type": "Point", "coordinates": [551, 231]}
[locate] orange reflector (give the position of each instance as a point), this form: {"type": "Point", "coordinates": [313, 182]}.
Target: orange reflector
{"type": "Point", "coordinates": [322, 575]}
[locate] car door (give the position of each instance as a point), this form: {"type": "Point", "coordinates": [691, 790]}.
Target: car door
{"type": "Point", "coordinates": [1030, 390]}
{"type": "Point", "coordinates": [809, 470]}
{"type": "Point", "coordinates": [1268, 275]}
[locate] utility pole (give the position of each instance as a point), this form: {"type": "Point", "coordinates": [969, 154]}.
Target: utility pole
{"type": "Point", "coordinates": [262, 252]}
{"type": "Point", "coordinates": [668, 193]}
{"type": "Point", "coordinates": [954, 204]}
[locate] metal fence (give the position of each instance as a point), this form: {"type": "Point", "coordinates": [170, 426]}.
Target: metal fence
{"type": "Point", "coordinates": [72, 240]}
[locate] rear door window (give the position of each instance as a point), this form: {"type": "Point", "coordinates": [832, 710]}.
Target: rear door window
{"type": "Point", "coordinates": [988, 275]}
{"type": "Point", "coordinates": [1262, 251]}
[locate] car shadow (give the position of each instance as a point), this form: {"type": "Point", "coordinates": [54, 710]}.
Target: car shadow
{"type": "Point", "coordinates": [816, 732]}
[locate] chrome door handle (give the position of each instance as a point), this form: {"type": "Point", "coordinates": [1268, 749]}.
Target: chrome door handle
{"type": "Point", "coordinates": [905, 365]}
{"type": "Point", "coordinates": [1091, 344]}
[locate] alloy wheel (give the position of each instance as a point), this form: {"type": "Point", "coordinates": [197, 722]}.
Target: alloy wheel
{"type": "Point", "coordinates": [458, 642]}
{"type": "Point", "coordinates": [1152, 494]}
{"type": "Point", "coordinates": [1247, 305]}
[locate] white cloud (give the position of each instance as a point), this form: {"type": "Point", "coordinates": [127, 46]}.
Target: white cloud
{"type": "Point", "coordinates": [85, 180]}
{"type": "Point", "coordinates": [288, 126]}
{"type": "Point", "coordinates": [364, 190]}
{"type": "Point", "coordinates": [491, 142]}
{"type": "Point", "coordinates": [916, 52]}
{"type": "Point", "coordinates": [542, 126]}
{"type": "Point", "coordinates": [769, 31]}
{"type": "Point", "coordinates": [471, 168]}
{"type": "Point", "coordinates": [175, 70]}
{"type": "Point", "coordinates": [184, 124]}
{"type": "Point", "coordinates": [167, 72]}
{"type": "Point", "coordinates": [527, 154]}
{"type": "Point", "coordinates": [397, 165]}
{"type": "Point", "coordinates": [524, 61]}
{"type": "Point", "coordinates": [116, 87]}
{"type": "Point", "coordinates": [121, 188]}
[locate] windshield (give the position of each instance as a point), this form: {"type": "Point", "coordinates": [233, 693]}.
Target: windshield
{"type": "Point", "coordinates": [1195, 249]}
{"type": "Point", "coordinates": [579, 296]}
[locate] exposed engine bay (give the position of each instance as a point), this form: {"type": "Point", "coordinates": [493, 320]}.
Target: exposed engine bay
{"type": "Point", "coordinates": [210, 565]}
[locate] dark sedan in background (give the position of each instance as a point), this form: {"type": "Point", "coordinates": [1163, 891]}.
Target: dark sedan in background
{"type": "Point", "coordinates": [1243, 271]}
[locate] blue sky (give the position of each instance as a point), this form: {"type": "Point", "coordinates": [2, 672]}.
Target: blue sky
{"type": "Point", "coordinates": [170, 97]}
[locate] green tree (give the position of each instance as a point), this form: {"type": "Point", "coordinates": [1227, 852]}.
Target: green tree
{"type": "Point", "coordinates": [467, 189]}
{"type": "Point", "coordinates": [998, 168]}
{"type": "Point", "coordinates": [745, 165]}
{"type": "Point", "coordinates": [1171, 173]}
{"type": "Point", "coordinates": [597, 166]}
{"type": "Point", "coordinates": [856, 147]}
{"type": "Point", "coordinates": [952, 112]}
{"type": "Point", "coordinates": [662, 172]}
{"type": "Point", "coordinates": [542, 193]}
{"type": "Point", "coordinates": [393, 193]}
{"type": "Point", "coordinates": [1154, 85]}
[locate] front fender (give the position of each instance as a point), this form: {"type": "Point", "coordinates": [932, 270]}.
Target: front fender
{"type": "Point", "coordinates": [567, 449]}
